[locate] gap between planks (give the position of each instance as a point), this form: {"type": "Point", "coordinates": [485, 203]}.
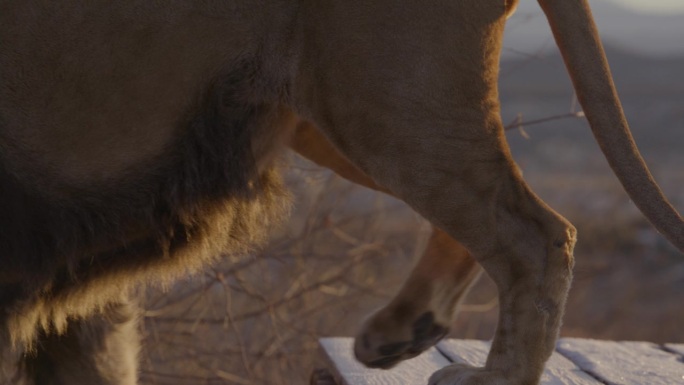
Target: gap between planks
{"type": "Point", "coordinates": [576, 362]}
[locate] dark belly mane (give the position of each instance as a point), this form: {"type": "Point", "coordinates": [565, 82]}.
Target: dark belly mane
{"type": "Point", "coordinates": [208, 195]}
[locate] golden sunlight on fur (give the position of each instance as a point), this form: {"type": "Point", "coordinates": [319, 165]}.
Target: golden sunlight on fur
{"type": "Point", "coordinates": [139, 143]}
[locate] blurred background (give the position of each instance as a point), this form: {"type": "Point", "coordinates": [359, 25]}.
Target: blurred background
{"type": "Point", "coordinates": [346, 250]}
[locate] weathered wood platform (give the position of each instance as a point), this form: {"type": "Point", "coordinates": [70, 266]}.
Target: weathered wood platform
{"type": "Point", "coordinates": [576, 361]}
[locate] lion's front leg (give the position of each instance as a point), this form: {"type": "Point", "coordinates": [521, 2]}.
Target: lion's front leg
{"type": "Point", "coordinates": [10, 360]}
{"type": "Point", "coordinates": [420, 315]}
{"type": "Point", "coordinates": [417, 110]}
{"type": "Point", "coordinates": [532, 300]}
{"type": "Point", "coordinates": [524, 246]}
{"type": "Point", "coordinates": [479, 198]}
{"type": "Point", "coordinates": [99, 350]}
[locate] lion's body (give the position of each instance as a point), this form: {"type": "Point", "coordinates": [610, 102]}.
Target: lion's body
{"type": "Point", "coordinates": [131, 159]}
{"type": "Point", "coordinates": [138, 142]}
{"type": "Point", "coordinates": [133, 150]}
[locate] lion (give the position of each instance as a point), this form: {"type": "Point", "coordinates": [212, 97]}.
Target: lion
{"type": "Point", "coordinates": [139, 141]}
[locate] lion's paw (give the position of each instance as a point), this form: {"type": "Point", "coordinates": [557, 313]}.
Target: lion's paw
{"type": "Point", "coordinates": [384, 342]}
{"type": "Point", "coordinates": [460, 374]}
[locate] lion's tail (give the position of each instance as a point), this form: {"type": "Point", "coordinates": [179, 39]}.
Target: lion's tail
{"type": "Point", "coordinates": [577, 38]}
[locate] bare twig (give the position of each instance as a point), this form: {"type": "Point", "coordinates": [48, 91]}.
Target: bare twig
{"type": "Point", "coordinates": [519, 123]}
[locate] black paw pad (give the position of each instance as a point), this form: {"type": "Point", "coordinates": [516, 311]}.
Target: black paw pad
{"type": "Point", "coordinates": [393, 349]}
{"type": "Point", "coordinates": [384, 362]}
{"type": "Point", "coordinates": [423, 324]}
{"type": "Point", "coordinates": [426, 333]}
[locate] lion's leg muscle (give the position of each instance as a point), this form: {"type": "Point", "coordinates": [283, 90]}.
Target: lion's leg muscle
{"type": "Point", "coordinates": [422, 311]}
{"type": "Point", "coordinates": [417, 109]}
{"type": "Point", "coordinates": [99, 350]}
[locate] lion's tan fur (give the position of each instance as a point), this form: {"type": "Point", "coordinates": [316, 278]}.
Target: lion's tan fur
{"type": "Point", "coordinates": [138, 142]}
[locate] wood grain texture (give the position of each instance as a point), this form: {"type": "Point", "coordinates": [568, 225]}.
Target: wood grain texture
{"type": "Point", "coordinates": [624, 363]}
{"type": "Point", "coordinates": [559, 370]}
{"type": "Point", "coordinates": [576, 361]}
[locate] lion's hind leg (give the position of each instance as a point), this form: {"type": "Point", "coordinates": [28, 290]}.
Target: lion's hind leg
{"type": "Point", "coordinates": [421, 313]}
{"type": "Point", "coordinates": [100, 350]}
{"type": "Point", "coordinates": [424, 309]}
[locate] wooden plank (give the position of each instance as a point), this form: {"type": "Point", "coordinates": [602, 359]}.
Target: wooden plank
{"type": "Point", "coordinates": [624, 363]}
{"type": "Point", "coordinates": [348, 371]}
{"type": "Point", "coordinates": [559, 370]}
{"type": "Point", "coordinates": [677, 348]}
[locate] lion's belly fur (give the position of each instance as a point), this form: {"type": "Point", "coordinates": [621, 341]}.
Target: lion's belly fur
{"type": "Point", "coordinates": [214, 192]}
